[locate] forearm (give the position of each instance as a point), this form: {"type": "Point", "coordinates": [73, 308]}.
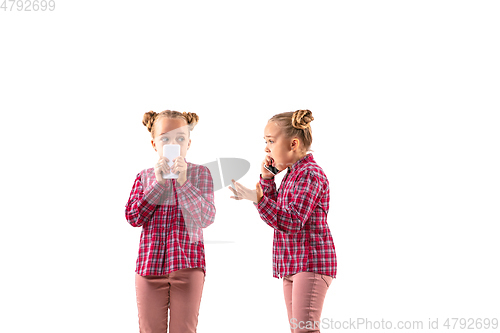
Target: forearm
{"type": "Point", "coordinates": [196, 205]}
{"type": "Point", "coordinates": [285, 219]}
{"type": "Point", "coordinates": [269, 188]}
{"type": "Point", "coordinates": [141, 206]}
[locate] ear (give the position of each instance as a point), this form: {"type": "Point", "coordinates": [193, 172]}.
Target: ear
{"type": "Point", "coordinates": [189, 144]}
{"type": "Point", "coordinates": [295, 144]}
{"type": "Point", "coordinates": [153, 144]}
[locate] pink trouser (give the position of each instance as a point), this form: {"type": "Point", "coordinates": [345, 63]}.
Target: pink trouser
{"type": "Point", "coordinates": [304, 295]}
{"type": "Point", "coordinates": [180, 291]}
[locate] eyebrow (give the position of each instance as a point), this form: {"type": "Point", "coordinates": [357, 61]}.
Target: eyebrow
{"type": "Point", "coordinates": [174, 133]}
{"type": "Point", "coordinates": [270, 136]}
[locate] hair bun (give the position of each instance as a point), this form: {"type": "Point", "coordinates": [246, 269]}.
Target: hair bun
{"type": "Point", "coordinates": [191, 118]}
{"type": "Point", "coordinates": [149, 119]}
{"type": "Point", "coordinates": [301, 119]}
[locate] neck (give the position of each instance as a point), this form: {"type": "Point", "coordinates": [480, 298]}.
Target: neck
{"type": "Point", "coordinates": [299, 157]}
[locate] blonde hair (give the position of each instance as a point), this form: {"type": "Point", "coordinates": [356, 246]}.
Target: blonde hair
{"type": "Point", "coordinates": [151, 117]}
{"type": "Point", "coordinates": [296, 124]}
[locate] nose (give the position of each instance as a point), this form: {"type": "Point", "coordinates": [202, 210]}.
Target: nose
{"type": "Point", "coordinates": [267, 150]}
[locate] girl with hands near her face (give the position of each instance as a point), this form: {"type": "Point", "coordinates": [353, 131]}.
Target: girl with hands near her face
{"type": "Point", "coordinates": [303, 250]}
{"type": "Point", "coordinates": [170, 267]}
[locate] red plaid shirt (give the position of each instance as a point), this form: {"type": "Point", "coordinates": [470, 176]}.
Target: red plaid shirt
{"type": "Point", "coordinates": [298, 214]}
{"type": "Point", "coordinates": [172, 218]}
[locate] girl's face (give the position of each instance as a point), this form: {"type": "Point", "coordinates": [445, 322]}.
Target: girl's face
{"type": "Point", "coordinates": [171, 131]}
{"type": "Point", "coordinates": [279, 147]}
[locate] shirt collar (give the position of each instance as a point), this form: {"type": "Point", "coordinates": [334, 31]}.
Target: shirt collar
{"type": "Point", "coordinates": [300, 162]}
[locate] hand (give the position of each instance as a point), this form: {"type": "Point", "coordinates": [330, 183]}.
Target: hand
{"type": "Point", "coordinates": [180, 167]}
{"type": "Point", "coordinates": [161, 166]}
{"type": "Point", "coordinates": [266, 174]}
{"type": "Point", "coordinates": [242, 192]}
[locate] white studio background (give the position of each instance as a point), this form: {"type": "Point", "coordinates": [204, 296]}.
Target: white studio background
{"type": "Point", "coordinates": [405, 96]}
